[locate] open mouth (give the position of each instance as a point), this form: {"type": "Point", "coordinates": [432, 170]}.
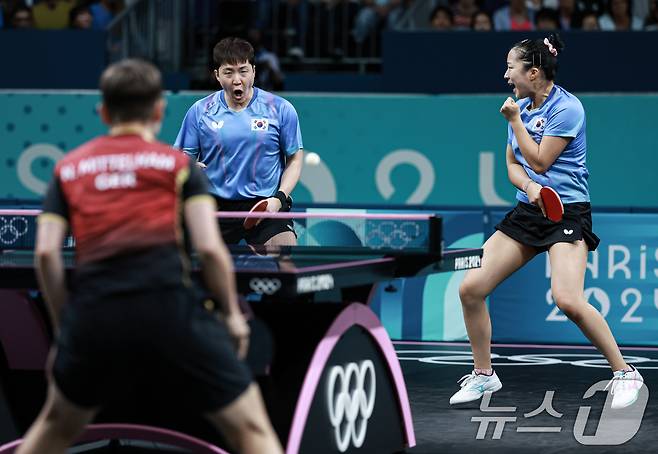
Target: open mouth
{"type": "Point", "coordinates": [238, 93]}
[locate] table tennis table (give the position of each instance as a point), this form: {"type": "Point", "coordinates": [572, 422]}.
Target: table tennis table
{"type": "Point", "coordinates": [326, 366]}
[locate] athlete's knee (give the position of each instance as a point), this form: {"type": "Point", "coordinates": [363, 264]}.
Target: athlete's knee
{"type": "Point", "coordinates": [569, 303]}
{"type": "Point", "coordinates": [470, 293]}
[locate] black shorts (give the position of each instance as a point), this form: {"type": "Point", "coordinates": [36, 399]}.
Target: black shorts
{"type": "Point", "coordinates": [233, 230]}
{"type": "Point", "coordinates": [527, 225]}
{"type": "Point", "coordinates": [165, 342]}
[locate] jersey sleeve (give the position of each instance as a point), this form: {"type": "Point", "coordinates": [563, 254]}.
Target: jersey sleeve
{"type": "Point", "coordinates": [54, 201]}
{"type": "Point", "coordinates": [565, 120]}
{"type": "Point", "coordinates": [290, 133]}
{"type": "Point", "coordinates": [188, 135]}
{"type": "Point", "coordinates": [196, 183]}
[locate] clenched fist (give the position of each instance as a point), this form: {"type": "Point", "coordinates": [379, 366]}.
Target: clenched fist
{"type": "Point", "coordinates": [510, 109]}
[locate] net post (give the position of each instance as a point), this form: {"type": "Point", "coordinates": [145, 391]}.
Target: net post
{"type": "Point", "coordinates": [435, 245]}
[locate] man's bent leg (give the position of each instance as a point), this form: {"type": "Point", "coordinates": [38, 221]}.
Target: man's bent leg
{"type": "Point", "coordinates": [57, 426]}
{"type": "Point", "coordinates": [245, 424]}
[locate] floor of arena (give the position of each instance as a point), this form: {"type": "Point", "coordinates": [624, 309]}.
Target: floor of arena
{"type": "Point", "coordinates": [527, 372]}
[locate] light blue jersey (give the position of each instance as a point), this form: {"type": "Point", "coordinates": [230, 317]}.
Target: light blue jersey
{"type": "Point", "coordinates": [561, 115]}
{"type": "Point", "coordinates": [244, 151]}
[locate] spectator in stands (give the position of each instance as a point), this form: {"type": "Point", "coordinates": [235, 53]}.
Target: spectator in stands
{"type": "Point", "coordinates": [536, 5]}
{"type": "Point", "coordinates": [103, 11]}
{"type": "Point", "coordinates": [619, 17]}
{"type": "Point", "coordinates": [481, 22]}
{"type": "Point", "coordinates": [52, 14]}
{"type": "Point", "coordinates": [441, 19]}
{"type": "Point", "coordinates": [268, 69]}
{"type": "Point", "coordinates": [80, 18]}
{"type": "Point", "coordinates": [21, 18]}
{"type": "Point", "coordinates": [413, 14]}
{"type": "Point", "coordinates": [7, 8]}
{"type": "Point", "coordinates": [463, 13]}
{"type": "Point", "coordinates": [566, 12]}
{"type": "Point", "coordinates": [641, 9]}
{"type": "Point", "coordinates": [596, 6]}
{"type": "Point", "coordinates": [372, 15]}
{"type": "Point", "coordinates": [514, 17]}
{"type": "Point", "coordinates": [547, 19]}
{"type": "Point", "coordinates": [651, 24]}
{"type": "Point", "coordinates": [589, 21]}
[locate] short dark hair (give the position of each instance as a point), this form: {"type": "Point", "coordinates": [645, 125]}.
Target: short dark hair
{"type": "Point", "coordinates": [75, 11]}
{"type": "Point", "coordinates": [535, 53]}
{"type": "Point", "coordinates": [232, 51]}
{"type": "Point", "coordinates": [481, 12]}
{"type": "Point", "coordinates": [549, 14]}
{"type": "Point", "coordinates": [20, 8]}
{"type": "Point", "coordinates": [444, 9]}
{"type": "Point", "coordinates": [130, 89]}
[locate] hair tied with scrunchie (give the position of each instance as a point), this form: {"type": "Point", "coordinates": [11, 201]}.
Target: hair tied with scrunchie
{"type": "Point", "coordinates": [551, 49]}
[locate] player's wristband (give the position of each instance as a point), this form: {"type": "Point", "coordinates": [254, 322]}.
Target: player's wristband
{"type": "Point", "coordinates": [525, 187]}
{"type": "Point", "coordinates": [286, 201]}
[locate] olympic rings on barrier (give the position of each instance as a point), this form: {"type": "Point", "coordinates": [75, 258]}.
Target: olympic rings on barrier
{"type": "Point", "coordinates": [12, 228]}
{"type": "Point", "coordinates": [267, 286]}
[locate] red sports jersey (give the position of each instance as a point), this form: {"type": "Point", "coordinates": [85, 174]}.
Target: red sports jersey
{"type": "Point", "coordinates": [123, 194]}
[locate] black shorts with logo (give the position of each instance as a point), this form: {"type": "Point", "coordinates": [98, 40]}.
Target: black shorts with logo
{"type": "Point", "coordinates": [233, 230]}
{"type": "Point", "coordinates": [527, 225]}
{"type": "Point", "coordinates": [162, 340]}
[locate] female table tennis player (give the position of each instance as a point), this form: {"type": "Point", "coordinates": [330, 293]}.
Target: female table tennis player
{"type": "Point", "coordinates": [546, 146]}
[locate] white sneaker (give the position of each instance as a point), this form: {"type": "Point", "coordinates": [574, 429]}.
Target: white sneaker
{"type": "Point", "coordinates": [474, 386]}
{"type": "Point", "coordinates": [625, 387]}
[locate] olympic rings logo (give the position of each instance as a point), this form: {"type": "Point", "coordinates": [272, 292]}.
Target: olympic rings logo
{"type": "Point", "coordinates": [14, 228]}
{"type": "Point", "coordinates": [395, 235]}
{"type": "Point", "coordinates": [265, 286]}
{"type": "Point", "coordinates": [351, 400]}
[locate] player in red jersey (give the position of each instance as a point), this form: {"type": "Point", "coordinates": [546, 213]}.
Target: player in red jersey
{"type": "Point", "coordinates": [132, 305]}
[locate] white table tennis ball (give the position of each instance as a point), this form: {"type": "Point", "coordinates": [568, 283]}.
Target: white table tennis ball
{"type": "Point", "coordinates": [312, 159]}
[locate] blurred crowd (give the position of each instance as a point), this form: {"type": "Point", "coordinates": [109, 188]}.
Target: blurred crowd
{"type": "Point", "coordinates": [337, 28]}
{"type": "Point", "coordinates": [528, 15]}
{"type": "Point", "coordinates": [369, 16]}
{"type": "Point", "coordinates": [59, 14]}
{"type": "Point", "coordinates": [505, 15]}
{"type": "Point", "coordinates": [307, 32]}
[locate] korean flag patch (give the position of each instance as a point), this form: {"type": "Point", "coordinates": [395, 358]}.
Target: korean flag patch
{"type": "Point", "coordinates": [538, 124]}
{"type": "Point", "coordinates": [259, 124]}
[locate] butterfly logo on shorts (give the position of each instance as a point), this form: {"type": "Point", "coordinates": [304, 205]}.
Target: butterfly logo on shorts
{"type": "Point", "coordinates": [568, 232]}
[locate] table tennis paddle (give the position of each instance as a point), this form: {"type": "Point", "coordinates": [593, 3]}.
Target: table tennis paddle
{"type": "Point", "coordinates": [552, 204]}
{"type": "Point", "coordinates": [250, 223]}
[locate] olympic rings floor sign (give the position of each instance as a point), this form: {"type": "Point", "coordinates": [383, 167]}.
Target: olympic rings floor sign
{"type": "Point", "coordinates": [351, 391]}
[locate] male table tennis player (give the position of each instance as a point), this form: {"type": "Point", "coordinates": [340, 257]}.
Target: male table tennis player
{"type": "Point", "coordinates": [132, 305]}
{"type": "Point", "coordinates": [250, 145]}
